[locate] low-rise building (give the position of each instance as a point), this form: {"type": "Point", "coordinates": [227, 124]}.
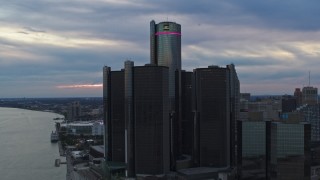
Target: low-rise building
{"type": "Point", "coordinates": [84, 127]}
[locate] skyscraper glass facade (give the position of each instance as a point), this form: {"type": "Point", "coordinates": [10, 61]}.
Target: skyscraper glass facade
{"type": "Point", "coordinates": [165, 49]}
{"type": "Point", "coordinates": [253, 138]}
{"type": "Point", "coordinates": [289, 139]}
{"type": "Point", "coordinates": [255, 149]}
{"type": "Point", "coordinates": [213, 105]}
{"type": "Point", "coordinates": [171, 120]}
{"type": "Point", "coordinates": [290, 151]}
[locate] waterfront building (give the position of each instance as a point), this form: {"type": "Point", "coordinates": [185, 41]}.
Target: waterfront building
{"type": "Point", "coordinates": [187, 131]}
{"type": "Point", "coordinates": [106, 111]}
{"type": "Point", "coordinates": [138, 120]}
{"type": "Point", "coordinates": [83, 128]}
{"type": "Point", "coordinates": [151, 120]}
{"type": "Point", "coordinates": [160, 119]}
{"type": "Point", "coordinates": [165, 50]}
{"type": "Point", "coordinates": [113, 99]}
{"type": "Point", "coordinates": [212, 96]}
{"type": "Point", "coordinates": [216, 92]}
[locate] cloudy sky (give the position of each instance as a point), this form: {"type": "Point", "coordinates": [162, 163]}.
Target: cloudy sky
{"type": "Point", "coordinates": [57, 48]}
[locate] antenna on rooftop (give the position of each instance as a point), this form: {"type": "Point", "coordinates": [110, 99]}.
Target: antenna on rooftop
{"type": "Point", "coordinates": [309, 78]}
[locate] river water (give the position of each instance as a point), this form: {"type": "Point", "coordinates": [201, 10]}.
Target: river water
{"type": "Point", "coordinates": [25, 148]}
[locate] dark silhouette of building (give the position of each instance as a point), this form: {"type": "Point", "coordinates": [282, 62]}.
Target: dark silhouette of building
{"type": "Point", "coordinates": [246, 96]}
{"type": "Point", "coordinates": [74, 111]}
{"type": "Point", "coordinates": [186, 113]}
{"type": "Point", "coordinates": [298, 96]}
{"type": "Point", "coordinates": [113, 96]}
{"type": "Point", "coordinates": [151, 109]}
{"type": "Point", "coordinates": [137, 118]}
{"type": "Point", "coordinates": [255, 162]}
{"type": "Point", "coordinates": [107, 112]}
{"type": "Point", "coordinates": [165, 50]}
{"type": "Point", "coordinates": [288, 103]}
{"type": "Point", "coordinates": [160, 119]}
{"type": "Point", "coordinates": [216, 106]}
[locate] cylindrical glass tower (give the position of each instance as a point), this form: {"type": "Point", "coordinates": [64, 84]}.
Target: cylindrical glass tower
{"type": "Point", "coordinates": [165, 49]}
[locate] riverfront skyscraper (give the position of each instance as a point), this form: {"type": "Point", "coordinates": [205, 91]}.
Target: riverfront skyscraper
{"type": "Point", "coordinates": [216, 106]}
{"type": "Point", "coordinates": [165, 44]}
{"type": "Point", "coordinates": [165, 50]}
{"type": "Point", "coordinates": [164, 122]}
{"type": "Point", "coordinates": [114, 117]}
{"type": "Point", "coordinates": [136, 115]}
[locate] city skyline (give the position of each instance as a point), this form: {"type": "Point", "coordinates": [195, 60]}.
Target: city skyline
{"type": "Point", "coordinates": [57, 48]}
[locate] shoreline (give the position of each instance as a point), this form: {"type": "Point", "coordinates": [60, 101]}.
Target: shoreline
{"type": "Point", "coordinates": [47, 111]}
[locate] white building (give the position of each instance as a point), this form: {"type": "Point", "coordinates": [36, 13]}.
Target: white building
{"type": "Point", "coordinates": [98, 128]}
{"type": "Point", "coordinates": [84, 127]}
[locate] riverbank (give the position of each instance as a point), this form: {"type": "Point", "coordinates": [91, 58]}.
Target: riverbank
{"type": "Point", "coordinates": [27, 152]}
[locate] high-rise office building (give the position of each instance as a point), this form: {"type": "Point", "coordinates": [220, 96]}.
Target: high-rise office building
{"type": "Point", "coordinates": [136, 102]}
{"type": "Point", "coordinates": [161, 113]}
{"type": "Point", "coordinates": [74, 111]}
{"type": "Point", "coordinates": [298, 96]}
{"type": "Point", "coordinates": [151, 120]}
{"type": "Point", "coordinates": [290, 151]}
{"type": "Point", "coordinates": [106, 111]}
{"type": "Point", "coordinates": [216, 106]}
{"type": "Point", "coordinates": [234, 115]}
{"type": "Point", "coordinates": [165, 44]}
{"type": "Point", "coordinates": [165, 50]}
{"type": "Point", "coordinates": [186, 113]}
{"type": "Point", "coordinates": [311, 110]}
{"type": "Point", "coordinates": [309, 95]}
{"type": "Point", "coordinates": [114, 117]}
{"type": "Point", "coordinates": [255, 162]}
